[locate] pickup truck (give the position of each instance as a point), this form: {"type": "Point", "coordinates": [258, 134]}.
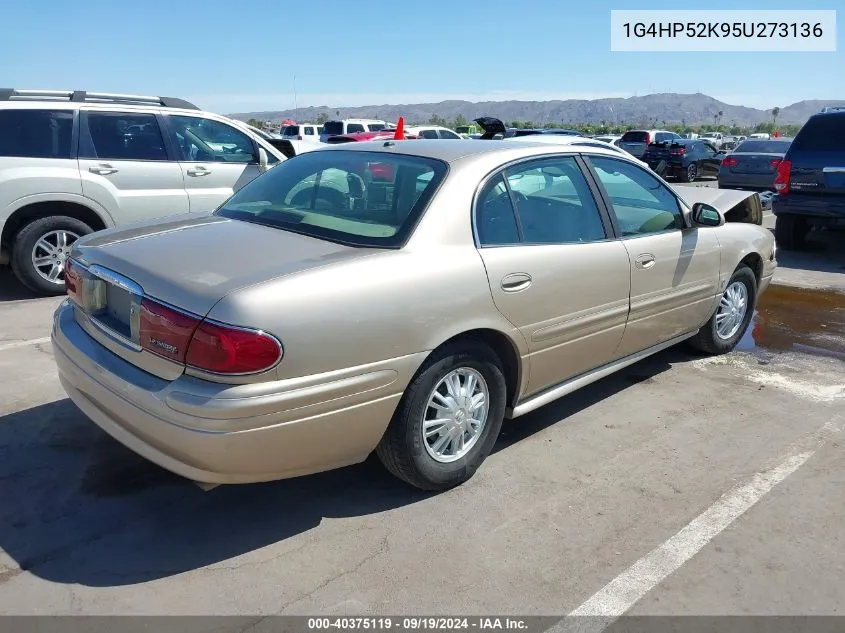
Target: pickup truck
{"type": "Point", "coordinates": [716, 139]}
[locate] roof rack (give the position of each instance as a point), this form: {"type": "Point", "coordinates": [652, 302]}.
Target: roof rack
{"type": "Point", "coordinates": [82, 96]}
{"type": "Point", "coordinates": [833, 109]}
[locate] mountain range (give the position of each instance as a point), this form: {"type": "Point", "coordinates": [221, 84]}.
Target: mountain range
{"type": "Point", "coordinates": [654, 109]}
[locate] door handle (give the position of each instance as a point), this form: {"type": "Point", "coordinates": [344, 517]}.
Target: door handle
{"type": "Point", "coordinates": [515, 282]}
{"type": "Point", "coordinates": [645, 261]}
{"type": "Point", "coordinates": [199, 171]}
{"type": "Point", "coordinates": [103, 170]}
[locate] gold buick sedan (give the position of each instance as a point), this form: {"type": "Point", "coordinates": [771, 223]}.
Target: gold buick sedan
{"type": "Point", "coordinates": [402, 297]}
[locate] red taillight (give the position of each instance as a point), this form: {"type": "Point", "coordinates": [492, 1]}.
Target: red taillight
{"type": "Point", "coordinates": [729, 161]}
{"type": "Point", "coordinates": [207, 346]}
{"type": "Point", "coordinates": [784, 170]}
{"type": "Point", "coordinates": [165, 331]}
{"type": "Point", "coordinates": [73, 282]}
{"type": "Point", "coordinates": [299, 137]}
{"type": "Point", "coordinates": [648, 138]}
{"type": "Point", "coordinates": [679, 152]}
{"type": "Point", "coordinates": [225, 350]}
{"type": "Point", "coordinates": [774, 163]}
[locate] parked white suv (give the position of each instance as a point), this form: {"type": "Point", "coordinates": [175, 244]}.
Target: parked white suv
{"type": "Point", "coordinates": [74, 162]}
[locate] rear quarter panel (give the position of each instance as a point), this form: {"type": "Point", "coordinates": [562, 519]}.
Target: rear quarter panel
{"type": "Point", "coordinates": [389, 305]}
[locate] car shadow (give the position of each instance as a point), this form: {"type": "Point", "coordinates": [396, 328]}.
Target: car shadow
{"type": "Point", "coordinates": [11, 289]}
{"type": "Point", "coordinates": [823, 251]}
{"type": "Point", "coordinates": [79, 508]}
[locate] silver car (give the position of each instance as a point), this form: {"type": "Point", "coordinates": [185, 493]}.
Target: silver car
{"type": "Point", "coordinates": [402, 297]}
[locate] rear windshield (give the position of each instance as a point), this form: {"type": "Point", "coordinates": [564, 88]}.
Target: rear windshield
{"type": "Point", "coordinates": [825, 133]}
{"type": "Point", "coordinates": [36, 133]}
{"type": "Point", "coordinates": [634, 137]}
{"type": "Point", "coordinates": [764, 147]}
{"type": "Point", "coordinates": [333, 127]}
{"type": "Point", "coordinates": [367, 199]}
{"type": "Point", "coordinates": [291, 130]}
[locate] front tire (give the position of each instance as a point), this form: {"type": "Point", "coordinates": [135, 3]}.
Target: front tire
{"type": "Point", "coordinates": [448, 419]}
{"type": "Point", "coordinates": [790, 231]}
{"type": "Point", "coordinates": [732, 316]}
{"type": "Point", "coordinates": [41, 249]}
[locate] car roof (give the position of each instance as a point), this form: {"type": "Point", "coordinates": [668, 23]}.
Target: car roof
{"type": "Point", "coordinates": [451, 150]}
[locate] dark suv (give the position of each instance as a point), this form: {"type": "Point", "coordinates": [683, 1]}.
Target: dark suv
{"type": "Point", "coordinates": [810, 180]}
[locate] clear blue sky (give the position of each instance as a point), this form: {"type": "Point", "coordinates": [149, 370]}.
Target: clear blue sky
{"type": "Point", "coordinates": [231, 56]}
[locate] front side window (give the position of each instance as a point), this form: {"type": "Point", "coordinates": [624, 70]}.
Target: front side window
{"type": "Point", "coordinates": [641, 203]}
{"type": "Point", "coordinates": [205, 140]}
{"type": "Point", "coordinates": [708, 149]}
{"type": "Point", "coordinates": [122, 136]}
{"type": "Point", "coordinates": [448, 134]}
{"type": "Point", "coordinates": [36, 133]}
{"type": "Point", "coordinates": [351, 128]}
{"type": "Point", "coordinates": [360, 198]}
{"type": "Point", "coordinates": [428, 133]}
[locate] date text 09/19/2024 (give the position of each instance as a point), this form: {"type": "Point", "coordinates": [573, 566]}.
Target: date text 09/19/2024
{"type": "Point", "coordinates": [417, 623]}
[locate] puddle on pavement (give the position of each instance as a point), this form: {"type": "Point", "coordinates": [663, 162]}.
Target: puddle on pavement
{"type": "Point", "coordinates": [799, 320]}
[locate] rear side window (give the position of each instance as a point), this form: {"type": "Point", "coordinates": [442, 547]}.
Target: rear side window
{"type": "Point", "coordinates": [428, 133]}
{"type": "Point", "coordinates": [351, 128]}
{"type": "Point", "coordinates": [122, 136]}
{"type": "Point", "coordinates": [309, 130]}
{"type": "Point", "coordinates": [635, 137]}
{"type": "Point", "coordinates": [376, 127]}
{"type": "Point", "coordinates": [448, 134]}
{"type": "Point", "coordinates": [291, 130]}
{"type": "Point", "coordinates": [36, 133]}
{"type": "Point", "coordinates": [824, 133]}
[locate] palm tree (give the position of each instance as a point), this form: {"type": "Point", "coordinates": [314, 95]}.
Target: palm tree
{"type": "Point", "coordinates": [775, 113]}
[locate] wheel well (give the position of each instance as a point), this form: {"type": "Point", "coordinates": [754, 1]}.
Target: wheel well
{"type": "Point", "coordinates": [27, 214]}
{"type": "Point", "coordinates": [503, 347]}
{"type": "Point", "coordinates": [755, 263]}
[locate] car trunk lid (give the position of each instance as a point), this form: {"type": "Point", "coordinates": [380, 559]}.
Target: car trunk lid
{"type": "Point", "coordinates": [817, 173]}
{"type": "Point", "coordinates": [759, 163]}
{"type": "Point", "coordinates": [195, 263]}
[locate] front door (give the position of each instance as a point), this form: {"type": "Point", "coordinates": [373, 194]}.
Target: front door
{"type": "Point", "coordinates": [674, 268]}
{"type": "Point", "coordinates": [554, 272]}
{"type": "Point", "coordinates": [216, 159]}
{"type": "Point", "coordinates": [124, 165]}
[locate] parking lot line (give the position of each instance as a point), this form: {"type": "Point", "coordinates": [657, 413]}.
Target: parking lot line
{"type": "Point", "coordinates": [32, 341]}
{"type": "Point", "coordinates": [621, 593]}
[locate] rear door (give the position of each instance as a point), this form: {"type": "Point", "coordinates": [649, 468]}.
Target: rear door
{"type": "Point", "coordinates": [674, 268]}
{"type": "Point", "coordinates": [818, 157]}
{"type": "Point", "coordinates": [126, 167]}
{"type": "Point", "coordinates": [216, 159]}
{"type": "Point", "coordinates": [555, 272]}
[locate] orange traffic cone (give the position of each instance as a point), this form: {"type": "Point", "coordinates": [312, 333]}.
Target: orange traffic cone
{"type": "Point", "coordinates": [400, 130]}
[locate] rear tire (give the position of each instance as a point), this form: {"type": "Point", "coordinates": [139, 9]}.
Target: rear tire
{"type": "Point", "coordinates": [790, 231]}
{"type": "Point", "coordinates": [690, 173]}
{"type": "Point", "coordinates": [717, 336]}
{"type": "Point", "coordinates": [24, 251]}
{"type": "Point", "coordinates": [408, 454]}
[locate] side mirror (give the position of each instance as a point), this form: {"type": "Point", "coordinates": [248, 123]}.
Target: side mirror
{"type": "Point", "coordinates": [705, 215]}
{"type": "Point", "coordinates": [262, 160]}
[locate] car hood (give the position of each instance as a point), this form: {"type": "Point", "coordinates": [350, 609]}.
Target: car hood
{"type": "Point", "coordinates": [736, 206]}
{"type": "Point", "coordinates": [192, 262]}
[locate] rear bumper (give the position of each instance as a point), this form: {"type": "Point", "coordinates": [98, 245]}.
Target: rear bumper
{"type": "Point", "coordinates": [222, 434]}
{"type": "Point", "coordinates": [829, 207]}
{"type": "Point", "coordinates": [749, 182]}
